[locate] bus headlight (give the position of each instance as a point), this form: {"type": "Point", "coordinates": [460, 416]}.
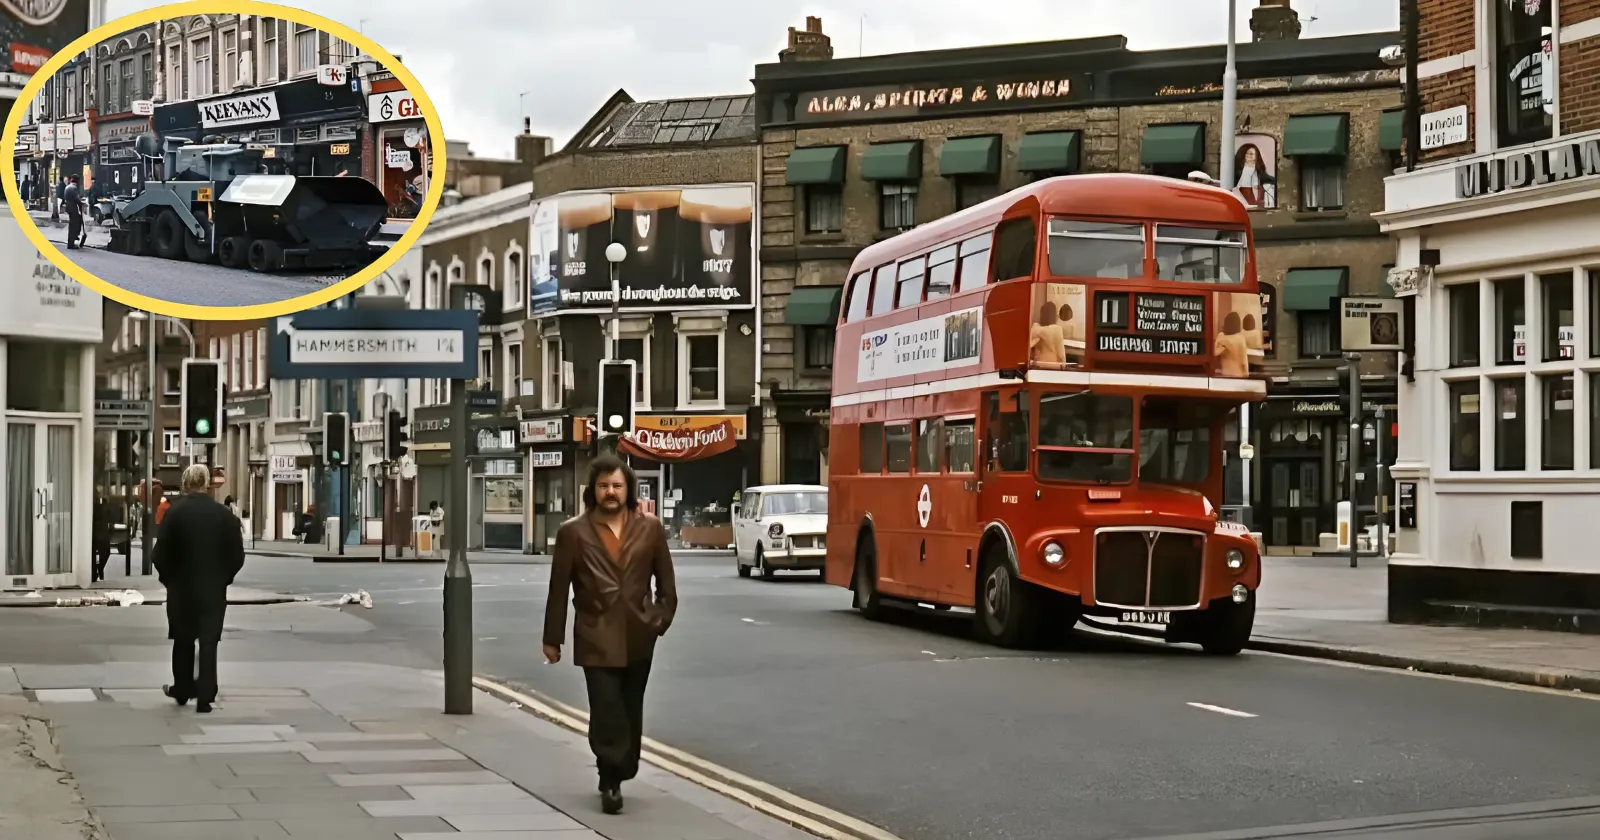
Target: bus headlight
{"type": "Point", "coordinates": [1054, 554]}
{"type": "Point", "coordinates": [1235, 560]}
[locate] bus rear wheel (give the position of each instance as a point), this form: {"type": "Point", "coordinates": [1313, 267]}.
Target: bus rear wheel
{"type": "Point", "coordinates": [1225, 627]}
{"type": "Point", "coordinates": [865, 584]}
{"type": "Point", "coordinates": [1008, 610]}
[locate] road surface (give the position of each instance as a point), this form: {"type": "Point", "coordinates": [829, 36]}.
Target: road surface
{"type": "Point", "coordinates": [915, 727]}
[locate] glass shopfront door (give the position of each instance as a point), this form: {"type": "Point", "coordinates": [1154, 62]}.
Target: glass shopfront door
{"type": "Point", "coordinates": [41, 467]}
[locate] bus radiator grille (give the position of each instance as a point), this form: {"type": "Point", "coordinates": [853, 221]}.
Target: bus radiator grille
{"type": "Point", "coordinates": [1121, 568]}
{"type": "Point", "coordinates": [1148, 569]}
{"type": "Point", "coordinates": [1175, 564]}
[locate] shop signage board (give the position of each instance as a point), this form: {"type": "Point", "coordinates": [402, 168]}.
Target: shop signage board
{"type": "Point", "coordinates": [1371, 324]}
{"type": "Point", "coordinates": [546, 459]}
{"type": "Point", "coordinates": [257, 107]}
{"type": "Point", "coordinates": [1558, 163]}
{"type": "Point", "coordinates": [675, 437]}
{"type": "Point", "coordinates": [122, 415]}
{"type": "Point", "coordinates": [550, 430]}
{"type": "Point", "coordinates": [284, 470]}
{"type": "Point", "coordinates": [41, 301]}
{"type": "Point", "coordinates": [1444, 128]}
{"type": "Point", "coordinates": [374, 344]}
{"type": "Point", "coordinates": [392, 107]}
{"type": "Point", "coordinates": [967, 96]}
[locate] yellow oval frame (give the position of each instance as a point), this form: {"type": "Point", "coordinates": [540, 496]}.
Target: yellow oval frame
{"type": "Point", "coordinates": [90, 40]}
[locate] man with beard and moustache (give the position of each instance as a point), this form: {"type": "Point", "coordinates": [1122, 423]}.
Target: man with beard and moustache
{"type": "Point", "coordinates": [199, 551]}
{"type": "Point", "coordinates": [607, 557]}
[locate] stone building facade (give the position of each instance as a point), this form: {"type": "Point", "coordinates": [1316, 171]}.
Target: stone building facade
{"type": "Point", "coordinates": [856, 150]}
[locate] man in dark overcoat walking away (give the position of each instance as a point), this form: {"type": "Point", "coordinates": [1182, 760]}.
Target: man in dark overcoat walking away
{"type": "Point", "coordinates": [608, 558]}
{"type": "Point", "coordinates": [198, 553]}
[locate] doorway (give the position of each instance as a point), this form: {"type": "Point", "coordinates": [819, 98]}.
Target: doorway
{"type": "Point", "coordinates": [41, 469]}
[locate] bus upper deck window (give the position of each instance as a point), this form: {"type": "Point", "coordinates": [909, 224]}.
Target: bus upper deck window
{"type": "Point", "coordinates": [1200, 255]}
{"type": "Point", "coordinates": [860, 295]}
{"type": "Point", "coordinates": [1014, 250]}
{"type": "Point", "coordinates": [1096, 249]}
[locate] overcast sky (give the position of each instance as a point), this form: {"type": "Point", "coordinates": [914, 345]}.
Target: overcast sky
{"type": "Point", "coordinates": [479, 59]}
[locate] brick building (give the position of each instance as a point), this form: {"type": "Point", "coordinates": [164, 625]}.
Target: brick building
{"type": "Point", "coordinates": [1499, 235]}
{"type": "Point", "coordinates": [856, 150]}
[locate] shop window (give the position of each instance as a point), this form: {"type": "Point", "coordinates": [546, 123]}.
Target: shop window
{"type": "Point", "coordinates": [824, 208]}
{"type": "Point", "coordinates": [909, 282]}
{"type": "Point", "coordinates": [700, 356]}
{"type": "Point", "coordinates": [551, 375]}
{"type": "Point", "coordinates": [930, 438]}
{"type": "Point", "coordinates": [1464, 428]}
{"type": "Point", "coordinates": [1594, 421]}
{"type": "Point", "coordinates": [1524, 75]}
{"type": "Point", "coordinates": [1556, 432]}
{"type": "Point", "coordinates": [897, 206]}
{"type": "Point", "coordinates": [973, 191]}
{"type": "Point", "coordinates": [975, 262]}
{"type": "Point", "coordinates": [1321, 183]}
{"type": "Point", "coordinates": [960, 445]}
{"type": "Point", "coordinates": [1510, 322]}
{"type": "Point", "coordinates": [818, 346]}
{"type": "Point", "coordinates": [1464, 309]}
{"type": "Point", "coordinates": [941, 273]}
{"type": "Point", "coordinates": [860, 297]}
{"type": "Point", "coordinates": [883, 289]}
{"type": "Point", "coordinates": [1510, 425]}
{"type": "Point", "coordinates": [897, 447]}
{"type": "Point", "coordinates": [1559, 340]}
{"type": "Point", "coordinates": [1317, 336]}
{"type": "Point", "coordinates": [405, 170]}
{"type": "Point", "coordinates": [871, 448]}
{"type": "Point", "coordinates": [1594, 314]}
{"type": "Point", "coordinates": [43, 376]}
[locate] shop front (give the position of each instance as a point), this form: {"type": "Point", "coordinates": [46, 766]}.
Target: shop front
{"type": "Point", "coordinates": [49, 329]}
{"type": "Point", "coordinates": [63, 151]}
{"type": "Point", "coordinates": [315, 128]}
{"type": "Point", "coordinates": [401, 163]}
{"type": "Point", "coordinates": [291, 472]}
{"type": "Point", "coordinates": [1302, 458]}
{"type": "Point", "coordinates": [690, 469]}
{"type": "Point", "coordinates": [245, 448]}
{"type": "Point", "coordinates": [430, 450]}
{"type": "Point", "coordinates": [556, 446]}
{"type": "Point", "coordinates": [803, 418]}
{"type": "Point", "coordinates": [496, 502]}
{"type": "Point", "coordinates": [117, 164]}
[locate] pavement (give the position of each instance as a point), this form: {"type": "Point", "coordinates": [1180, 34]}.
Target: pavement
{"type": "Point", "coordinates": [180, 281]}
{"type": "Point", "coordinates": [362, 553]}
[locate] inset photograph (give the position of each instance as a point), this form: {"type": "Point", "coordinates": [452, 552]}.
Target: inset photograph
{"type": "Point", "coordinates": [223, 165]}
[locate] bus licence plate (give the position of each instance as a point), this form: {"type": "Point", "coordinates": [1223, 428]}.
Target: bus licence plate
{"type": "Point", "coordinates": [1147, 618]}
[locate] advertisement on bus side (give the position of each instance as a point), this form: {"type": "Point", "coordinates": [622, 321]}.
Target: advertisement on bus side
{"type": "Point", "coordinates": [942, 342]}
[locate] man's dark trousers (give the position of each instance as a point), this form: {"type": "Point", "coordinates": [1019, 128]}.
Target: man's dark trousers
{"type": "Point", "coordinates": [616, 720]}
{"type": "Point", "coordinates": [194, 677]}
{"type": "Point", "coordinates": [74, 226]}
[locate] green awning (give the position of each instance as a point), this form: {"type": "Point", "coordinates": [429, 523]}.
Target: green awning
{"type": "Point", "coordinates": [892, 162]}
{"type": "Point", "coordinates": [1049, 151]}
{"type": "Point", "coordinates": [1384, 289]}
{"type": "Point", "coordinates": [1183, 144]}
{"type": "Point", "coordinates": [970, 156]}
{"type": "Point", "coordinates": [817, 165]}
{"type": "Point", "coordinates": [1322, 135]}
{"type": "Point", "coordinates": [813, 305]}
{"type": "Point", "coordinates": [1391, 131]}
{"type": "Point", "coordinates": [1313, 289]}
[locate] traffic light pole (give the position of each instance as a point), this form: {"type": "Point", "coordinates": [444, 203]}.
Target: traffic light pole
{"type": "Point", "coordinates": [457, 574]}
{"type": "Point", "coordinates": [146, 565]}
{"type": "Point", "coordinates": [1353, 454]}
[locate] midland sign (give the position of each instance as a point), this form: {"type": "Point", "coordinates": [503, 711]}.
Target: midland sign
{"type": "Point", "coordinates": [1565, 161]}
{"type": "Point", "coordinates": [374, 344]}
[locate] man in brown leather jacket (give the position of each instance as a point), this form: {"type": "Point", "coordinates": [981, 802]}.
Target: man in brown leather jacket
{"type": "Point", "coordinates": [607, 558]}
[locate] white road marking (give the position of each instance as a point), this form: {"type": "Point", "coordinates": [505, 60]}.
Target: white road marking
{"type": "Point", "coordinates": [488, 638]}
{"type": "Point", "coordinates": [930, 653]}
{"type": "Point", "coordinates": [1222, 711]}
{"type": "Point", "coordinates": [757, 623]}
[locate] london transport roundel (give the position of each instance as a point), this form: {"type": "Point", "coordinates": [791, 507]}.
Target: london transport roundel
{"type": "Point", "coordinates": [924, 506]}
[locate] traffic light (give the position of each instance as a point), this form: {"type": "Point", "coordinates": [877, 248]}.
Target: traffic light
{"type": "Point", "coordinates": [394, 436]}
{"type": "Point", "coordinates": [335, 439]}
{"type": "Point", "coordinates": [616, 397]}
{"type": "Point", "coordinates": [202, 400]}
{"type": "Point", "coordinates": [127, 444]}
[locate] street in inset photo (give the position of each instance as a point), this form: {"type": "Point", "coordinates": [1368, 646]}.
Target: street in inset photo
{"type": "Point", "coordinates": [172, 161]}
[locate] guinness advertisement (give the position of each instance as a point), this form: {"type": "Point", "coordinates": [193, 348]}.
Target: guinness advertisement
{"type": "Point", "coordinates": [928, 100]}
{"type": "Point", "coordinates": [686, 248]}
{"type": "Point", "coordinates": [37, 30]}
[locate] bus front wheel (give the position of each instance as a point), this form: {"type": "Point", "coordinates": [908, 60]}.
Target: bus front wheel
{"type": "Point", "coordinates": [1007, 611]}
{"type": "Point", "coordinates": [865, 584]}
{"type": "Point", "coordinates": [1226, 626]}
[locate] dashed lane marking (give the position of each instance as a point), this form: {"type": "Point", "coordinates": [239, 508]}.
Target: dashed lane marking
{"type": "Point", "coordinates": [1221, 710]}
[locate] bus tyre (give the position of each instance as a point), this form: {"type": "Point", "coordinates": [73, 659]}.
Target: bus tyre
{"type": "Point", "coordinates": [169, 234]}
{"type": "Point", "coordinates": [234, 251]}
{"type": "Point", "coordinates": [1226, 627]}
{"type": "Point", "coordinates": [865, 582]}
{"type": "Point", "coordinates": [1008, 611]}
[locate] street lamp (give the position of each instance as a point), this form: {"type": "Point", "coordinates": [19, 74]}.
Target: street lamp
{"type": "Point", "coordinates": [616, 252]}
{"type": "Point", "coordinates": [1227, 180]}
{"type": "Point", "coordinates": [155, 425]}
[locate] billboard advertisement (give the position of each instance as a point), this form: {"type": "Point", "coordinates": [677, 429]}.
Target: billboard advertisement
{"type": "Point", "coordinates": [36, 30]}
{"type": "Point", "coordinates": [686, 247]}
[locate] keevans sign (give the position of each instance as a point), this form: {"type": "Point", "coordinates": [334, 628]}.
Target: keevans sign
{"type": "Point", "coordinates": [931, 344]}
{"type": "Point", "coordinates": [1564, 162]}
{"type": "Point", "coordinates": [240, 110]}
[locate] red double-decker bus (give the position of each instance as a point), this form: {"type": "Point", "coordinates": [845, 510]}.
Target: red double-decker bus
{"type": "Point", "coordinates": [1029, 405]}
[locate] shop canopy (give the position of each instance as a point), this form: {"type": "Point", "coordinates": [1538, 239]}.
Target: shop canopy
{"type": "Point", "coordinates": [814, 306]}
{"type": "Point", "coordinates": [1049, 151]}
{"type": "Point", "coordinates": [892, 162]}
{"type": "Point", "coordinates": [970, 156]}
{"type": "Point", "coordinates": [1391, 131]}
{"type": "Point", "coordinates": [816, 165]}
{"type": "Point", "coordinates": [1319, 135]}
{"type": "Point", "coordinates": [1314, 289]}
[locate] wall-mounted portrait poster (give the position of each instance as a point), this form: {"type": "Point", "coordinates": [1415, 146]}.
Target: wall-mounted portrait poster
{"type": "Point", "coordinates": [1255, 169]}
{"type": "Point", "coordinates": [1057, 337]}
{"type": "Point", "coordinates": [1239, 346]}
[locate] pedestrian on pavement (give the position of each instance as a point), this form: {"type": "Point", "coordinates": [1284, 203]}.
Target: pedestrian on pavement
{"type": "Point", "coordinates": [100, 536]}
{"type": "Point", "coordinates": [435, 528]}
{"type": "Point", "coordinates": [233, 508]}
{"type": "Point", "coordinates": [197, 555]}
{"type": "Point", "coordinates": [608, 557]}
{"type": "Point", "coordinates": [72, 202]}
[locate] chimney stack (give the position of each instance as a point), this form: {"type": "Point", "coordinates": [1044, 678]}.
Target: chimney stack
{"type": "Point", "coordinates": [527, 125]}
{"type": "Point", "coordinates": [809, 45]}
{"type": "Point", "coordinates": [1275, 20]}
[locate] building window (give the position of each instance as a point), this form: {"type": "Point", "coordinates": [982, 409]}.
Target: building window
{"type": "Point", "coordinates": [636, 349]}
{"type": "Point", "coordinates": [554, 364]}
{"type": "Point", "coordinates": [230, 59]}
{"type": "Point", "coordinates": [819, 346]}
{"type": "Point", "coordinates": [261, 358]}
{"type": "Point", "coordinates": [486, 366]}
{"type": "Point", "coordinates": [147, 75]}
{"type": "Point", "coordinates": [1510, 422]}
{"type": "Point", "coordinates": [1556, 432]}
{"type": "Point", "coordinates": [269, 50]}
{"type": "Point", "coordinates": [108, 94]}
{"type": "Point", "coordinates": [512, 300]}
{"type": "Point", "coordinates": [175, 73]}
{"type": "Point", "coordinates": [824, 208]}
{"type": "Point", "coordinates": [171, 441]}
{"type": "Point", "coordinates": [897, 206]}
{"type": "Point", "coordinates": [486, 271]}
{"type": "Point", "coordinates": [1317, 337]}
{"type": "Point", "coordinates": [1321, 183]}
{"type": "Point", "coordinates": [69, 81]}
{"type": "Point", "coordinates": [1559, 340]}
{"type": "Point", "coordinates": [1510, 322]}
{"type": "Point", "coordinates": [1594, 421]}
{"type": "Point", "coordinates": [701, 359]}
{"type": "Point", "coordinates": [971, 192]}
{"type": "Point", "coordinates": [305, 49]}
{"type": "Point", "coordinates": [1594, 315]}
{"type": "Point", "coordinates": [200, 67]}
{"type": "Point", "coordinates": [1524, 76]}
{"type": "Point", "coordinates": [127, 93]}
{"type": "Point", "coordinates": [1464, 428]}
{"type": "Point", "coordinates": [514, 370]}
{"type": "Point", "coordinates": [433, 290]}
{"type": "Point", "coordinates": [1464, 308]}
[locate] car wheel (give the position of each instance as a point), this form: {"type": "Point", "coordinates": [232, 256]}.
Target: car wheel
{"type": "Point", "coordinates": [761, 563]}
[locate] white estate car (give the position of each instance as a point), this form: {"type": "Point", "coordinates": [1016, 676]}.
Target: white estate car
{"type": "Point", "coordinates": [780, 527]}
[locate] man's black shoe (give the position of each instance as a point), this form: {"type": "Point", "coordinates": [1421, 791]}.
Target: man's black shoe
{"type": "Point", "coordinates": [611, 800]}
{"type": "Point", "coordinates": [177, 698]}
{"type": "Point", "coordinates": [202, 708]}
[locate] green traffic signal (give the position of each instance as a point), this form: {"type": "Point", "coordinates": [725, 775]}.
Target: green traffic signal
{"type": "Point", "coordinates": [202, 426]}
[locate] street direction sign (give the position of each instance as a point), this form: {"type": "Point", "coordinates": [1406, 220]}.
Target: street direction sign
{"type": "Point", "coordinates": [374, 344]}
{"type": "Point", "coordinates": [122, 415]}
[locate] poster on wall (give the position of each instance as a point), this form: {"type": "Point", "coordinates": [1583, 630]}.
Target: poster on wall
{"type": "Point", "coordinates": [1241, 333]}
{"type": "Point", "coordinates": [544, 259]}
{"type": "Point", "coordinates": [36, 31]}
{"type": "Point", "coordinates": [1057, 336]}
{"type": "Point", "coordinates": [942, 342]}
{"type": "Point", "coordinates": [1255, 167]}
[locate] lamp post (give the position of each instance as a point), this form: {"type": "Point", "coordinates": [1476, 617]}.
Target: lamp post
{"type": "Point", "coordinates": [150, 500]}
{"type": "Point", "coordinates": [616, 252]}
{"type": "Point", "coordinates": [1228, 177]}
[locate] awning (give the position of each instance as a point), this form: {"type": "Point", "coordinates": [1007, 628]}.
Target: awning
{"type": "Point", "coordinates": [1049, 151]}
{"type": "Point", "coordinates": [813, 305]}
{"type": "Point", "coordinates": [1174, 144]}
{"type": "Point", "coordinates": [1391, 131]}
{"type": "Point", "coordinates": [1313, 289]}
{"type": "Point", "coordinates": [892, 162]}
{"type": "Point", "coordinates": [817, 165]}
{"type": "Point", "coordinates": [1322, 135]}
{"type": "Point", "coordinates": [1384, 289]}
{"type": "Point", "coordinates": [970, 156]}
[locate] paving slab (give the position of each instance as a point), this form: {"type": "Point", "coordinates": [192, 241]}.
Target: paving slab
{"type": "Point", "coordinates": [208, 830]}
{"type": "Point", "coordinates": [515, 822]}
{"type": "Point", "coordinates": [165, 813]}
{"type": "Point", "coordinates": [503, 792]}
{"type": "Point", "coordinates": [293, 809]}
{"type": "Point", "coordinates": [470, 777]}
{"type": "Point", "coordinates": [362, 828]}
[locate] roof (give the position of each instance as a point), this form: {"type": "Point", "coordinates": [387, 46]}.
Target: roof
{"type": "Point", "coordinates": [626, 124]}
